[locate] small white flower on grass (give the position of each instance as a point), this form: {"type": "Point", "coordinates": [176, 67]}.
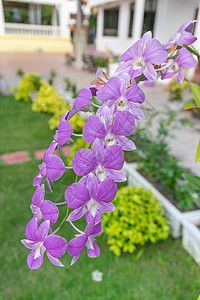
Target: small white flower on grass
{"type": "Point", "coordinates": [97, 275]}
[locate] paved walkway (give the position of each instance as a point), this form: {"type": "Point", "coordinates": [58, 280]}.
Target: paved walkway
{"type": "Point", "coordinates": [23, 156]}
{"type": "Point", "coordinates": [183, 146]}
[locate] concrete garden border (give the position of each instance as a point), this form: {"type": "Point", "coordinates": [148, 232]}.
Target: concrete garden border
{"type": "Point", "coordinates": [181, 224]}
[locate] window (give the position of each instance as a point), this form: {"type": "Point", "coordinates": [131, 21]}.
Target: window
{"type": "Point", "coordinates": [132, 6]}
{"type": "Point", "coordinates": [149, 15]}
{"type": "Point", "coordinates": [111, 21]}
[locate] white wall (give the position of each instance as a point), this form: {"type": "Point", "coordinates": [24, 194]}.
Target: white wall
{"type": "Point", "coordinates": [171, 14]}
{"type": "Point", "coordinates": [120, 43]}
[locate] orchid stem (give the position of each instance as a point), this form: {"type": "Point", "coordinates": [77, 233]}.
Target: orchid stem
{"type": "Point", "coordinates": [76, 228]}
{"type": "Point", "coordinates": [95, 104]}
{"type": "Point", "coordinates": [77, 134]}
{"type": "Point", "coordinates": [65, 218]}
{"type": "Point", "coordinates": [61, 203]}
{"type": "Point", "coordinates": [140, 78]}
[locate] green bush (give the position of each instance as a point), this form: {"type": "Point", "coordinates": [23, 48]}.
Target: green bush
{"type": "Point", "coordinates": [176, 90]}
{"type": "Point", "coordinates": [30, 83]}
{"type": "Point", "coordinates": [80, 143]}
{"type": "Point", "coordinates": [50, 101]}
{"type": "Point", "coordinates": [137, 219]}
{"type": "Point", "coordinates": [100, 61]}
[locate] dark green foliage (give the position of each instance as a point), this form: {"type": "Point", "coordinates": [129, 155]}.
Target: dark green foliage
{"type": "Point", "coordinates": [52, 76]}
{"type": "Point", "coordinates": [154, 160]}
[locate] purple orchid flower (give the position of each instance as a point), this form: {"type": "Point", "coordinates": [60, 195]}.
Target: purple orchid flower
{"type": "Point", "coordinates": [87, 238]}
{"type": "Point", "coordinates": [100, 80]}
{"type": "Point", "coordinates": [39, 242]}
{"type": "Point", "coordinates": [91, 199]}
{"type": "Point", "coordinates": [183, 36]}
{"type": "Point", "coordinates": [43, 208]}
{"type": "Point", "coordinates": [52, 167]}
{"type": "Point", "coordinates": [116, 94]}
{"type": "Point", "coordinates": [62, 135]}
{"type": "Point", "coordinates": [104, 163]}
{"type": "Point", "coordinates": [183, 60]}
{"type": "Point", "coordinates": [141, 57]}
{"type": "Point", "coordinates": [111, 128]}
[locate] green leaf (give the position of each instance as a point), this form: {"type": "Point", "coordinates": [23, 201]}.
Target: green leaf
{"type": "Point", "coordinates": [191, 104]}
{"type": "Point", "coordinates": [193, 180]}
{"type": "Point", "coordinates": [197, 158]}
{"type": "Point", "coordinates": [195, 88]}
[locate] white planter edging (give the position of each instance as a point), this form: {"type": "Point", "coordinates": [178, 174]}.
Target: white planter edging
{"type": "Point", "coordinates": [171, 212]}
{"type": "Point", "coordinates": [191, 239]}
{"type": "Point", "coordinates": [181, 223]}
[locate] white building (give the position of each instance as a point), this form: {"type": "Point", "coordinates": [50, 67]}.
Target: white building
{"type": "Point", "coordinates": [121, 23]}
{"type": "Point", "coordinates": [35, 35]}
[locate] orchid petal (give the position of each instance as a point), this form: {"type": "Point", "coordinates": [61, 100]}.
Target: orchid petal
{"type": "Point", "coordinates": [38, 196]}
{"type": "Point", "coordinates": [54, 260]}
{"type": "Point", "coordinates": [84, 161]}
{"type": "Point", "coordinates": [110, 91]}
{"type": "Point", "coordinates": [134, 93]}
{"type": "Point", "coordinates": [55, 168]}
{"type": "Point", "coordinates": [43, 230]}
{"type": "Point", "coordinates": [93, 128]}
{"type": "Point", "coordinates": [123, 123]}
{"type": "Point", "coordinates": [84, 97]}
{"type": "Point", "coordinates": [113, 158]}
{"type": "Point", "coordinates": [77, 213]}
{"type": "Point", "coordinates": [34, 263]}
{"type": "Point", "coordinates": [55, 245]}
{"type": "Point", "coordinates": [49, 211]}
{"type": "Point", "coordinates": [115, 175]}
{"type": "Point", "coordinates": [154, 52]}
{"type": "Point", "coordinates": [31, 230]}
{"type": "Point", "coordinates": [92, 253]}
{"type": "Point", "coordinates": [150, 72]}
{"type": "Point", "coordinates": [64, 132]}
{"type": "Point", "coordinates": [126, 144]}
{"type": "Point", "coordinates": [185, 59]}
{"type": "Point", "coordinates": [107, 207]}
{"type": "Point", "coordinates": [130, 53]}
{"type": "Point", "coordinates": [186, 38]}
{"type": "Point", "coordinates": [76, 245]}
{"type": "Point", "coordinates": [76, 195]}
{"type": "Point", "coordinates": [106, 191]}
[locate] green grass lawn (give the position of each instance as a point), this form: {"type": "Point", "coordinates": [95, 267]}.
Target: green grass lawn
{"type": "Point", "coordinates": [163, 272]}
{"type": "Point", "coordinates": [22, 129]}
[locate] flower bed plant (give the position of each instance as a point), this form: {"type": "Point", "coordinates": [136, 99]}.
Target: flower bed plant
{"type": "Point", "coordinates": [158, 166]}
{"type": "Point", "coordinates": [137, 220]}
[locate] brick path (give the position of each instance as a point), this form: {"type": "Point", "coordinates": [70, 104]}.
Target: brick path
{"type": "Point", "coordinates": [23, 156]}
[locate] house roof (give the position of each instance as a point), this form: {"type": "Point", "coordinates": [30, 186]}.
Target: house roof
{"type": "Point", "coordinates": [93, 3]}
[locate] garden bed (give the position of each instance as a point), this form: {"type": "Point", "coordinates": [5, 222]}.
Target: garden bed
{"type": "Point", "coordinates": [181, 223]}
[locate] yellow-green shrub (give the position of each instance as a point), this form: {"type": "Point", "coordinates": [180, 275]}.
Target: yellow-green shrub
{"type": "Point", "coordinates": [137, 219]}
{"type": "Point", "coordinates": [176, 90]}
{"type": "Point", "coordinates": [80, 143]}
{"type": "Point", "coordinates": [50, 101]}
{"type": "Point", "coordinates": [30, 83]}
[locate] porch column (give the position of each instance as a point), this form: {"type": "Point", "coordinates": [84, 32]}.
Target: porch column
{"type": "Point", "coordinates": [138, 19]}
{"type": "Point", "coordinates": [2, 20]}
{"type": "Point", "coordinates": [31, 13]}
{"type": "Point", "coordinates": [124, 13]}
{"type": "Point", "coordinates": [54, 19]}
{"type": "Point", "coordinates": [38, 14]}
{"type": "Point", "coordinates": [64, 19]}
